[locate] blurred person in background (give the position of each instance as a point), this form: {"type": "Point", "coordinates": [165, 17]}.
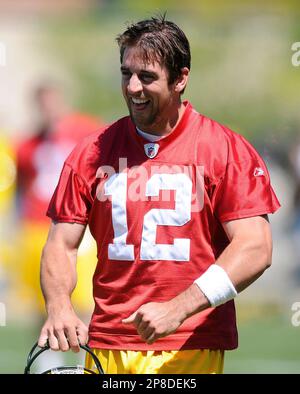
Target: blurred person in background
{"type": "Point", "coordinates": [168, 268]}
{"type": "Point", "coordinates": [294, 156]}
{"type": "Point", "coordinates": [39, 161]}
{"type": "Point", "coordinates": [7, 197]}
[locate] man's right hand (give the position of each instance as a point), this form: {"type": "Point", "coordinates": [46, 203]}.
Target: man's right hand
{"type": "Point", "coordinates": [63, 330]}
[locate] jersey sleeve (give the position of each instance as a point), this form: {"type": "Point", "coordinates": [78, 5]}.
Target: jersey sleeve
{"type": "Point", "coordinates": [71, 201]}
{"type": "Point", "coordinates": [245, 188]}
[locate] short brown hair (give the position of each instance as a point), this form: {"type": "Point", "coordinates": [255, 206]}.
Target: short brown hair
{"type": "Point", "coordinates": [159, 40]}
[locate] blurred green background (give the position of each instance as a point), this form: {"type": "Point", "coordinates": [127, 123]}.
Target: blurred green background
{"type": "Point", "coordinates": [241, 75]}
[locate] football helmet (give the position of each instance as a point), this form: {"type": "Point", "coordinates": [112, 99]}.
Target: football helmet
{"type": "Point", "coordinates": [34, 354]}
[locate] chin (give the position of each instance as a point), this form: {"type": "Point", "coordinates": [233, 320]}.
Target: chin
{"type": "Point", "coordinates": [140, 125]}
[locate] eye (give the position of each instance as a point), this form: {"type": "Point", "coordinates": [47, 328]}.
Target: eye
{"type": "Point", "coordinates": [126, 74]}
{"type": "Point", "coordinates": [147, 78]}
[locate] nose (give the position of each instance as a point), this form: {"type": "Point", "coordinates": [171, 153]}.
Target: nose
{"type": "Point", "coordinates": [134, 85]}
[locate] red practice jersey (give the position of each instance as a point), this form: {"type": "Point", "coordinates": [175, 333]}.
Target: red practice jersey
{"type": "Point", "coordinates": [156, 213]}
{"type": "Point", "coordinates": [40, 159]}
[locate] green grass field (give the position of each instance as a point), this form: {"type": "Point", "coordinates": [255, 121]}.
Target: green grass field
{"type": "Point", "coordinates": [267, 345]}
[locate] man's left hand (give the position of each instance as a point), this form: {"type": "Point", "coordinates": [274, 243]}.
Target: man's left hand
{"type": "Point", "coordinates": [155, 320]}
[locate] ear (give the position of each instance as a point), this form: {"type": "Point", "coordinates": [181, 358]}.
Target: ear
{"type": "Point", "coordinates": [182, 80]}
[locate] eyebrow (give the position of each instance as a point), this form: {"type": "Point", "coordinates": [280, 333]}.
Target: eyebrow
{"type": "Point", "coordinates": [123, 68]}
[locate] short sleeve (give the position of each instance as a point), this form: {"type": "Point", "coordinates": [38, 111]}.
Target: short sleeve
{"type": "Point", "coordinates": [245, 188]}
{"type": "Point", "coordinates": [71, 201]}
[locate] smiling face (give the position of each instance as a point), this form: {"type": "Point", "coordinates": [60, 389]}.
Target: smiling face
{"type": "Point", "coordinates": [154, 104]}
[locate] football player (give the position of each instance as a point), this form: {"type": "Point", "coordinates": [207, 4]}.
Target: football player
{"type": "Point", "coordinates": [178, 206]}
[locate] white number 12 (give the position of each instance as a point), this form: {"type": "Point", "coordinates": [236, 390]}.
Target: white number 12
{"type": "Point", "coordinates": [116, 187]}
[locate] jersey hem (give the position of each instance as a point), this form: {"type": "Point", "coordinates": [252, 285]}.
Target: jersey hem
{"type": "Point", "coordinates": [66, 219]}
{"type": "Point", "coordinates": [100, 341]}
{"type": "Point", "coordinates": [247, 213]}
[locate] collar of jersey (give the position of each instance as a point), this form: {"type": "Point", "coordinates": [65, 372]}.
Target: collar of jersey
{"type": "Point", "coordinates": [181, 126]}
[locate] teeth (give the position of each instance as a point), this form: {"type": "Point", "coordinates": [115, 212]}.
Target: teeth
{"type": "Point", "coordinates": [138, 101]}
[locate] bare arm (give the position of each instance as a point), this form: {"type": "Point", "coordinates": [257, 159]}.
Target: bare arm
{"type": "Point", "coordinates": [245, 259]}
{"type": "Point", "coordinates": [58, 280]}
{"type": "Point", "coordinates": [249, 253]}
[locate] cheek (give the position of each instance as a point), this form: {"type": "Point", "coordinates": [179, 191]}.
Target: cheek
{"type": "Point", "coordinates": [164, 97]}
{"type": "Point", "coordinates": [124, 83]}
{"type": "Point", "coordinates": [124, 88]}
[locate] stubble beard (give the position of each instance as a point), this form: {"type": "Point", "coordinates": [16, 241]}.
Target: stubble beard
{"type": "Point", "coordinates": [142, 121]}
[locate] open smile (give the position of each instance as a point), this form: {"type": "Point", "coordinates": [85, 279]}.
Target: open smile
{"type": "Point", "coordinates": [139, 104]}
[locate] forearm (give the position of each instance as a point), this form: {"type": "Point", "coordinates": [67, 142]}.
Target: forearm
{"type": "Point", "coordinates": [244, 261]}
{"type": "Point", "coordinates": [58, 274]}
{"type": "Point", "coordinates": [62, 329]}
{"type": "Point", "coordinates": [189, 302]}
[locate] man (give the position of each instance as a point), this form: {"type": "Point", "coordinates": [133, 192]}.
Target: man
{"type": "Point", "coordinates": [178, 206]}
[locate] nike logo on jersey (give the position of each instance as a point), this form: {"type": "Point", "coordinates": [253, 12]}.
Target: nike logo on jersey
{"type": "Point", "coordinates": [151, 149]}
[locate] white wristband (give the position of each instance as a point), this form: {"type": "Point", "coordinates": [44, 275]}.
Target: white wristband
{"type": "Point", "coordinates": [216, 285]}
